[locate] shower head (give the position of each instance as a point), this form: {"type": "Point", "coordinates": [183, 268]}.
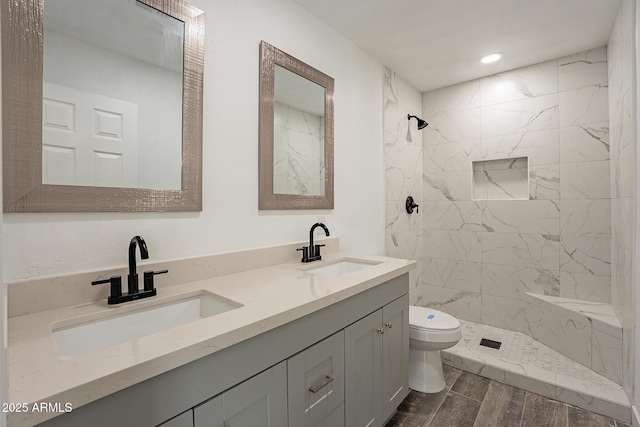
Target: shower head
{"type": "Point", "coordinates": [421, 123]}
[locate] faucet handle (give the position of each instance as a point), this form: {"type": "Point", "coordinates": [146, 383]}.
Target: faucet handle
{"type": "Point", "coordinates": [305, 253]}
{"type": "Point", "coordinates": [317, 251]}
{"type": "Point", "coordinates": [116, 287]}
{"type": "Point", "coordinates": [148, 278]}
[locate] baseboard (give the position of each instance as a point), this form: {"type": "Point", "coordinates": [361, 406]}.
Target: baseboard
{"type": "Point", "coordinates": [635, 416]}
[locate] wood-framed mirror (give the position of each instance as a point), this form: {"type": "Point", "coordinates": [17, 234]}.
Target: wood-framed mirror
{"type": "Point", "coordinates": [26, 188]}
{"type": "Point", "coordinates": [295, 165]}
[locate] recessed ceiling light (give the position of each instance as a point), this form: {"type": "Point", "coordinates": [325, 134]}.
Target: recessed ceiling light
{"type": "Point", "coordinates": [492, 57]}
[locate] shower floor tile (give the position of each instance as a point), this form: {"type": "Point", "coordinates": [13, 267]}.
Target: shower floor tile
{"type": "Point", "coordinates": [526, 363]}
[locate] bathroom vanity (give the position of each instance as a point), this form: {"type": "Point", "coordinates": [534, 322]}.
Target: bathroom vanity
{"type": "Point", "coordinates": [305, 345]}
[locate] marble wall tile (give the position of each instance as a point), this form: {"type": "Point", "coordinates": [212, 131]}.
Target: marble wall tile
{"type": "Point", "coordinates": [501, 179]}
{"type": "Point", "coordinates": [458, 245]}
{"type": "Point", "coordinates": [527, 82]}
{"type": "Point", "coordinates": [585, 217]}
{"type": "Point", "coordinates": [556, 116]}
{"type": "Point", "coordinates": [622, 174]}
{"type": "Point", "coordinates": [403, 175]}
{"type": "Point", "coordinates": [453, 127]}
{"type": "Point", "coordinates": [391, 117]}
{"type": "Point", "coordinates": [505, 163]}
{"type": "Point", "coordinates": [540, 147]}
{"type": "Point", "coordinates": [453, 216]}
{"type": "Point", "coordinates": [399, 183]}
{"type": "Point", "coordinates": [410, 156]}
{"type": "Point", "coordinates": [606, 403]}
{"type": "Point", "coordinates": [622, 212]}
{"type": "Point", "coordinates": [500, 184]}
{"type": "Point", "coordinates": [584, 143]}
{"type": "Point", "coordinates": [391, 144]}
{"type": "Point", "coordinates": [447, 186]}
{"type": "Point", "coordinates": [505, 313]}
{"type": "Point", "coordinates": [585, 105]}
{"type": "Point", "coordinates": [586, 254]}
{"type": "Point", "coordinates": [585, 286]}
{"type": "Point", "coordinates": [453, 274]}
{"type": "Point", "coordinates": [463, 96]}
{"type": "Point", "coordinates": [396, 217]}
{"type": "Point", "coordinates": [562, 334]}
{"type": "Point", "coordinates": [583, 69]}
{"type": "Point", "coordinates": [389, 84]}
{"type": "Point", "coordinates": [621, 280]}
{"type": "Point", "coordinates": [521, 216]}
{"type": "Point", "coordinates": [606, 355]}
{"type": "Point", "coordinates": [520, 116]}
{"type": "Point", "coordinates": [456, 156]}
{"type": "Point", "coordinates": [514, 282]}
{"type": "Point", "coordinates": [544, 182]}
{"type": "Point", "coordinates": [521, 250]}
{"type": "Point", "coordinates": [460, 304]}
{"type": "Point", "coordinates": [410, 244]}
{"type": "Point", "coordinates": [585, 180]}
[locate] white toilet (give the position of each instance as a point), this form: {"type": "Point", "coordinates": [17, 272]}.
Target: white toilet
{"type": "Point", "coordinates": [429, 332]}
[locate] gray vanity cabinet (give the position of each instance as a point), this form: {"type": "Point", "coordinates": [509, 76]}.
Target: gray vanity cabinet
{"type": "Point", "coordinates": [266, 380]}
{"type": "Point", "coordinates": [395, 355]}
{"type": "Point", "coordinates": [376, 364]}
{"type": "Point", "coordinates": [260, 401]}
{"type": "Point", "coordinates": [316, 384]}
{"type": "Point", "coordinates": [183, 420]}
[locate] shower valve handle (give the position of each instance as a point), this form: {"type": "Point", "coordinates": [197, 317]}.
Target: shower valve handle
{"type": "Point", "coordinates": [410, 205]}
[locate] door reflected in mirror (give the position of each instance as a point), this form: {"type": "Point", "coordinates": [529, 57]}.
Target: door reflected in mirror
{"type": "Point", "coordinates": [298, 135]}
{"type": "Point", "coordinates": [112, 95]}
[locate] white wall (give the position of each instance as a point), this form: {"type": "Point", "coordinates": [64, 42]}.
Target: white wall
{"type": "Point", "coordinates": [48, 244]}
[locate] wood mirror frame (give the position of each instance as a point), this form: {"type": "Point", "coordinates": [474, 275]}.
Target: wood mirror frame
{"type": "Point", "coordinates": [22, 58]}
{"type": "Point", "coordinates": [271, 56]}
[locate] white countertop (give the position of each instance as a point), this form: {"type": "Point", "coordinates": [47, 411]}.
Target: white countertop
{"type": "Point", "coordinates": [270, 297]}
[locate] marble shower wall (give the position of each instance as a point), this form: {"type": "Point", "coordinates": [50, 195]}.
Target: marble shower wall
{"type": "Point", "coordinates": [623, 173]}
{"type": "Point", "coordinates": [298, 142]}
{"type": "Point", "coordinates": [403, 175]}
{"type": "Point", "coordinates": [481, 256]}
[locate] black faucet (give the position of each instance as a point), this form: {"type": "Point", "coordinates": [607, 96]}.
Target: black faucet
{"type": "Point", "coordinates": [312, 252]}
{"type": "Point", "coordinates": [132, 278]}
{"type": "Point", "coordinates": [134, 293]}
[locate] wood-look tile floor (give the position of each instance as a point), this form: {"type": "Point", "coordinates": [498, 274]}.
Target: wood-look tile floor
{"type": "Point", "coordinates": [470, 400]}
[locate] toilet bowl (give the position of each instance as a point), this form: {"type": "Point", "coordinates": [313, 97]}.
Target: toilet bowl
{"type": "Point", "coordinates": [429, 332]}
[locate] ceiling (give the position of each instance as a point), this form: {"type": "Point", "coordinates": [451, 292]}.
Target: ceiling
{"type": "Point", "coordinates": [437, 43]}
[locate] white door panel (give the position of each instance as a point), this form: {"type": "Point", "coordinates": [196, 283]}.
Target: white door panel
{"type": "Point", "coordinates": [99, 133]}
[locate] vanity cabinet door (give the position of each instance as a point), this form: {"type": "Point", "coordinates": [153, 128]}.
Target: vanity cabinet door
{"type": "Point", "coordinates": [316, 384]}
{"type": "Point", "coordinates": [395, 355]}
{"type": "Point", "coordinates": [376, 364]}
{"type": "Point", "coordinates": [183, 420]}
{"type": "Point", "coordinates": [363, 371]}
{"type": "Point", "coordinates": [260, 401]}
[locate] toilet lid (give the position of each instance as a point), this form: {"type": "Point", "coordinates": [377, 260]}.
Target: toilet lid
{"type": "Point", "coordinates": [428, 318]}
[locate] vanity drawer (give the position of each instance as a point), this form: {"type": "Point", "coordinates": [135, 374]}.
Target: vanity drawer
{"type": "Point", "coordinates": [316, 383]}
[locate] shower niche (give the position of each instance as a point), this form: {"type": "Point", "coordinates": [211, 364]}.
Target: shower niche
{"type": "Point", "coordinates": [501, 179]}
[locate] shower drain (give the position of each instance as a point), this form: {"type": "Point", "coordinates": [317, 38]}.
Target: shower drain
{"type": "Point", "coordinates": [490, 343]}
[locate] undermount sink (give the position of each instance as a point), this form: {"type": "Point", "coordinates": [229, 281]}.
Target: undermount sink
{"type": "Point", "coordinates": [86, 336]}
{"type": "Point", "coordinates": [340, 268]}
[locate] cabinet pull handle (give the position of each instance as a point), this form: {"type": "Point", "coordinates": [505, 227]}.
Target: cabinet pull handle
{"type": "Point", "coordinates": [327, 380]}
{"type": "Point", "coordinates": [389, 325]}
{"type": "Point", "coordinates": [381, 330]}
